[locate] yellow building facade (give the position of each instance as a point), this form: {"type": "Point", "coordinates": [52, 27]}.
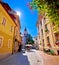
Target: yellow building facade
{"type": "Point", "coordinates": [7, 26]}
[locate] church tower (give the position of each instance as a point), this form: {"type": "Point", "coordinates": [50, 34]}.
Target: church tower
{"type": "Point", "coordinates": [25, 32]}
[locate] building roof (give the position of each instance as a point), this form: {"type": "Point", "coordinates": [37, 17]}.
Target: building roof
{"type": "Point", "coordinates": [8, 10]}
{"type": "Point", "coordinates": [25, 29]}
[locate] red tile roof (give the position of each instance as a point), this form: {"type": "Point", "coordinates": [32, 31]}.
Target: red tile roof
{"type": "Point", "coordinates": [7, 8]}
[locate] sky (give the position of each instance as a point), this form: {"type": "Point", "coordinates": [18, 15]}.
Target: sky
{"type": "Point", "coordinates": [28, 18]}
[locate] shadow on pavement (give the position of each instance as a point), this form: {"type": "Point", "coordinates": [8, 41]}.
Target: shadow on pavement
{"type": "Point", "coordinates": [23, 59]}
{"type": "Point", "coordinates": [16, 59]}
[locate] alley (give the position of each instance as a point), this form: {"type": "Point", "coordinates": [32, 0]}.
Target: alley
{"type": "Point", "coordinates": [27, 58]}
{"type": "Point", "coordinates": [31, 26]}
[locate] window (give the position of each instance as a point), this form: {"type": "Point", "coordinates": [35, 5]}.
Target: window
{"type": "Point", "coordinates": [46, 28]}
{"type": "Point", "coordinates": [43, 42]}
{"type": "Point", "coordinates": [42, 31]}
{"type": "Point", "coordinates": [44, 19]}
{"type": "Point", "coordinates": [1, 41]}
{"type": "Point", "coordinates": [48, 40]}
{"type": "Point", "coordinates": [41, 23]}
{"type": "Point", "coordinates": [9, 43]}
{"type": "Point", "coordinates": [36, 38]}
{"type": "Point", "coordinates": [56, 36]}
{"type": "Point", "coordinates": [3, 21]}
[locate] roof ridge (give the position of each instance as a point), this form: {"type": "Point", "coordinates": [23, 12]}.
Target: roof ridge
{"type": "Point", "coordinates": [7, 8]}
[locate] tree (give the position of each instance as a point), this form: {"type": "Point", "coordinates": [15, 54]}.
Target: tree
{"type": "Point", "coordinates": [50, 7]}
{"type": "Point", "coordinates": [29, 39]}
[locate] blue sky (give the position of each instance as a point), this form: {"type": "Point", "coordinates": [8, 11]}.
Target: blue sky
{"type": "Point", "coordinates": [28, 17]}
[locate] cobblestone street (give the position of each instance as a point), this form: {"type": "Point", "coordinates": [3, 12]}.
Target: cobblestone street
{"type": "Point", "coordinates": [29, 32]}
{"type": "Point", "coordinates": [32, 57]}
{"type": "Point", "coordinates": [27, 58]}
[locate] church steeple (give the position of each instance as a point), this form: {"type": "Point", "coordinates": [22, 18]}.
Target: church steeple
{"type": "Point", "coordinates": [25, 29]}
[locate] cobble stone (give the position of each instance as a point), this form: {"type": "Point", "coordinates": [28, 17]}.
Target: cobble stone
{"type": "Point", "coordinates": [27, 58]}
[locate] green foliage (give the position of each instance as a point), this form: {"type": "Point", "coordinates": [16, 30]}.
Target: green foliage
{"type": "Point", "coordinates": [52, 52]}
{"type": "Point", "coordinates": [56, 28]}
{"type": "Point", "coordinates": [30, 39]}
{"type": "Point", "coordinates": [51, 7]}
{"type": "Point", "coordinates": [49, 51]}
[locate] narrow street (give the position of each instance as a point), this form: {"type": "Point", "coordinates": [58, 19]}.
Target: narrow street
{"type": "Point", "coordinates": [31, 26]}
{"type": "Point", "coordinates": [32, 57]}
{"type": "Point", "coordinates": [27, 58]}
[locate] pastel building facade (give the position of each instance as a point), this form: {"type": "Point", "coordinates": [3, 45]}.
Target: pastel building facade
{"type": "Point", "coordinates": [48, 37]}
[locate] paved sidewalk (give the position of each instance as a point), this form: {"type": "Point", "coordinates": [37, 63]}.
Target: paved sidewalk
{"type": "Point", "coordinates": [48, 59]}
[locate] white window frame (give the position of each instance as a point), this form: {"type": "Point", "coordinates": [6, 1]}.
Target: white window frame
{"type": "Point", "coordinates": [2, 41]}
{"type": "Point", "coordinates": [9, 44]}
